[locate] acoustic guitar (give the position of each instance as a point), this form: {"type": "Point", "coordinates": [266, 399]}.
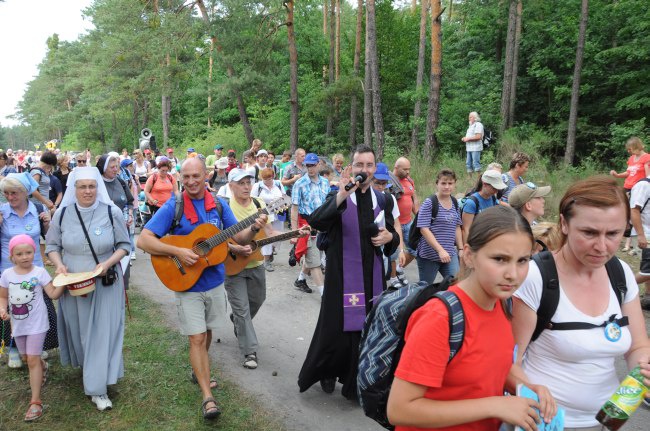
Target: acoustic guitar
{"type": "Point", "coordinates": [210, 243]}
{"type": "Point", "coordinates": [235, 263]}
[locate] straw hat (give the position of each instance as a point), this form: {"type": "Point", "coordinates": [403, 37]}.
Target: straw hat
{"type": "Point", "coordinates": [78, 283]}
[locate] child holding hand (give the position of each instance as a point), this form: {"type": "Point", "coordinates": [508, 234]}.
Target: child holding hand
{"type": "Point", "coordinates": [21, 287]}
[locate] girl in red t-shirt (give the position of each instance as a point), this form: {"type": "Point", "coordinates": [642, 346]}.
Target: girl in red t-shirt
{"type": "Point", "coordinates": [468, 393]}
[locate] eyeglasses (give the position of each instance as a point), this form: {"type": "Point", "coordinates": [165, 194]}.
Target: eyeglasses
{"type": "Point", "coordinates": [531, 186]}
{"type": "Point", "coordinates": [81, 161]}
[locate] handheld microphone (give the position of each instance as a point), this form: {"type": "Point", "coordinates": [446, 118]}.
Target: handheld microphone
{"type": "Point", "coordinates": [373, 230]}
{"type": "Point", "coordinates": [361, 177]}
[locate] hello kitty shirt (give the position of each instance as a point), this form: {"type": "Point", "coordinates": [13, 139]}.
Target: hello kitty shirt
{"type": "Point", "coordinates": [26, 304]}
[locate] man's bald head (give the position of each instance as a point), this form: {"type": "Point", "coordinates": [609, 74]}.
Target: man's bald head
{"type": "Point", "coordinates": [402, 168]}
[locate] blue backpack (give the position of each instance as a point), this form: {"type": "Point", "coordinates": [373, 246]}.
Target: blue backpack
{"type": "Point", "coordinates": [382, 340]}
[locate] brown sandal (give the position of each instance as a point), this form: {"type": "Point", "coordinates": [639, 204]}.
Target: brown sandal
{"type": "Point", "coordinates": [210, 413]}
{"type": "Point", "coordinates": [34, 411]}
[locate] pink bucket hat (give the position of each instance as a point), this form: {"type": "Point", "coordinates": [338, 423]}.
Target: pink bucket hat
{"type": "Point", "coordinates": [19, 240]}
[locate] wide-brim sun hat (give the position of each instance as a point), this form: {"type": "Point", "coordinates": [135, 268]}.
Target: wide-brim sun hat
{"type": "Point", "coordinates": [78, 283]}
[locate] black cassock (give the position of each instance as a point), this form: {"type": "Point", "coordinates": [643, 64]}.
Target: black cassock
{"type": "Point", "coordinates": [334, 353]}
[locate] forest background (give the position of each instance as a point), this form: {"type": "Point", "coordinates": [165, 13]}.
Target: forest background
{"type": "Point", "coordinates": [564, 80]}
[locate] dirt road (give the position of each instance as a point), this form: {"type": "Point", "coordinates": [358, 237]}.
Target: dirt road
{"type": "Point", "coordinates": [284, 328]}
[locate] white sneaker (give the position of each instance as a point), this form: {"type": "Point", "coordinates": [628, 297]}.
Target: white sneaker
{"type": "Point", "coordinates": [14, 358]}
{"type": "Point", "coordinates": [102, 402]}
{"type": "Point", "coordinates": [133, 255]}
{"type": "Point", "coordinates": [44, 355]}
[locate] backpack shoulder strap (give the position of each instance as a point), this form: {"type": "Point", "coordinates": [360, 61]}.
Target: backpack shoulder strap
{"type": "Point", "coordinates": [178, 211]}
{"type": "Point", "coordinates": [475, 200]}
{"type": "Point", "coordinates": [616, 276]}
{"type": "Point", "coordinates": [456, 321]}
{"type": "Point", "coordinates": [454, 201]}
{"type": "Point", "coordinates": [256, 202]}
{"type": "Point", "coordinates": [550, 292]}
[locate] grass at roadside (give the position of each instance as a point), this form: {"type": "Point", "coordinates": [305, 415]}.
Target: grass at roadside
{"type": "Point", "coordinates": [155, 392]}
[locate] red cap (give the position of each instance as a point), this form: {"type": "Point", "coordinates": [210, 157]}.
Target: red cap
{"type": "Point", "coordinates": [147, 151]}
{"type": "Point", "coordinates": [170, 150]}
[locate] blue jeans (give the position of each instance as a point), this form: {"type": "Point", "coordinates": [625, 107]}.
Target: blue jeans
{"type": "Point", "coordinates": [473, 161]}
{"type": "Point", "coordinates": [428, 269]}
{"type": "Point", "coordinates": [405, 234]}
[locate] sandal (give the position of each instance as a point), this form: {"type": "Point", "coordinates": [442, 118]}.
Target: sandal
{"type": "Point", "coordinates": [625, 249]}
{"type": "Point", "coordinates": [213, 381]}
{"type": "Point", "coordinates": [34, 411]}
{"type": "Point", "coordinates": [210, 412]}
{"type": "Point", "coordinates": [46, 369]}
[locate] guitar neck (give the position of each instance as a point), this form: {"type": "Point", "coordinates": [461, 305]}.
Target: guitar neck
{"type": "Point", "coordinates": [233, 230]}
{"type": "Point", "coordinates": [281, 237]}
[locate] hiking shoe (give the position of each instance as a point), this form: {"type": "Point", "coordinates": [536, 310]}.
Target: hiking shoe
{"type": "Point", "coordinates": [292, 256]}
{"type": "Point", "coordinates": [268, 266]}
{"type": "Point", "coordinates": [395, 283]}
{"type": "Point", "coordinates": [328, 385]}
{"type": "Point", "coordinates": [102, 402]}
{"type": "Point", "coordinates": [250, 361]}
{"type": "Point", "coordinates": [402, 278]}
{"type": "Point", "coordinates": [14, 358]}
{"type": "Point", "coordinates": [302, 286]}
{"type": "Point", "coordinates": [133, 257]}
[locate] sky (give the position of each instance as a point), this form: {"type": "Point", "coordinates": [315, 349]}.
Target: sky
{"type": "Point", "coordinates": [25, 26]}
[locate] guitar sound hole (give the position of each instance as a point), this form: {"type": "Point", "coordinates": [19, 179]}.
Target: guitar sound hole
{"type": "Point", "coordinates": [201, 249]}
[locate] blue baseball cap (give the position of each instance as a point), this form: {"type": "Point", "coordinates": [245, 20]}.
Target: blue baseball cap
{"type": "Point", "coordinates": [191, 150]}
{"type": "Point", "coordinates": [126, 162]}
{"type": "Point", "coordinates": [311, 159]}
{"type": "Point", "coordinates": [382, 172]}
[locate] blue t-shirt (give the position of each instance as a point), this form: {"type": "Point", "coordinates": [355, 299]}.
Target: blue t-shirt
{"type": "Point", "coordinates": [161, 223]}
{"type": "Point", "coordinates": [511, 183]}
{"type": "Point", "coordinates": [483, 204]}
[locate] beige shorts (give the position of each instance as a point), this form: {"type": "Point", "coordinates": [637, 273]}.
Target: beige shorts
{"type": "Point", "coordinates": [312, 257]}
{"type": "Point", "coordinates": [200, 311]}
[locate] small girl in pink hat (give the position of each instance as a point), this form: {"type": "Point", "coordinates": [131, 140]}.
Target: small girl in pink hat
{"type": "Point", "coordinates": [21, 288]}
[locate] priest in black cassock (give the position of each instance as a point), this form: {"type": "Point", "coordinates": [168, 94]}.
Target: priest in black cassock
{"type": "Point", "coordinates": [358, 223]}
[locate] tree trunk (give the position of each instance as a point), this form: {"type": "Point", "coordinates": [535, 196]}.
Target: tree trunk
{"type": "Point", "coordinates": [371, 31]}
{"type": "Point", "coordinates": [241, 106]}
{"type": "Point", "coordinates": [329, 127]}
{"type": "Point", "coordinates": [293, 78]}
{"type": "Point", "coordinates": [213, 40]}
{"type": "Point", "coordinates": [367, 97]}
{"type": "Point", "coordinates": [414, 5]}
{"type": "Point", "coordinates": [433, 108]}
{"type": "Point", "coordinates": [507, 67]}
{"type": "Point", "coordinates": [515, 65]}
{"type": "Point", "coordinates": [337, 53]}
{"type": "Point", "coordinates": [451, 7]}
{"type": "Point", "coordinates": [424, 10]}
{"type": "Point", "coordinates": [498, 48]}
{"type": "Point", "coordinates": [575, 88]}
{"type": "Point", "coordinates": [355, 73]}
{"type": "Point", "coordinates": [166, 103]}
{"type": "Point", "coordinates": [325, 12]}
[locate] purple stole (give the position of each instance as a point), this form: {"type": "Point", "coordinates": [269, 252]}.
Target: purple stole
{"type": "Point", "coordinates": [354, 295]}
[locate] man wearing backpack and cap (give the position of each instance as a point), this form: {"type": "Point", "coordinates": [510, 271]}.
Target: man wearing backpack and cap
{"type": "Point", "coordinates": [528, 199]}
{"type": "Point", "coordinates": [200, 306]}
{"type": "Point", "coordinates": [484, 198]}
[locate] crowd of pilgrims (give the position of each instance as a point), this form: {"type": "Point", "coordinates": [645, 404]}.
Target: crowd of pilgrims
{"type": "Point", "coordinates": [483, 240]}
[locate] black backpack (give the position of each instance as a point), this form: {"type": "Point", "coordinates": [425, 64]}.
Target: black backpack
{"type": "Point", "coordinates": [488, 139]}
{"type": "Point", "coordinates": [551, 294]}
{"type": "Point", "coordinates": [414, 232]}
{"type": "Point", "coordinates": [382, 340]}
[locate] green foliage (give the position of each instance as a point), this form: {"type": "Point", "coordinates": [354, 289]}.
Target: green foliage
{"type": "Point", "coordinates": [101, 89]}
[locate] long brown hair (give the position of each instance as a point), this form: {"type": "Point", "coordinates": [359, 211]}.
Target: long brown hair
{"type": "Point", "coordinates": [599, 191]}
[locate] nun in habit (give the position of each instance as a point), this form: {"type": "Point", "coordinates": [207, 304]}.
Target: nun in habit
{"type": "Point", "coordinates": [90, 327]}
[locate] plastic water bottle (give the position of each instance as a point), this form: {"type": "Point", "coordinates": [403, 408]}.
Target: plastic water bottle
{"type": "Point", "coordinates": [622, 405]}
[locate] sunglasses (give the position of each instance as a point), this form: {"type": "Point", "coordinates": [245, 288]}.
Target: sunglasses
{"type": "Point", "coordinates": [81, 161]}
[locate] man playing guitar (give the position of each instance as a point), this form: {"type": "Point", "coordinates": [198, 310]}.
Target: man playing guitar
{"type": "Point", "coordinates": [198, 307]}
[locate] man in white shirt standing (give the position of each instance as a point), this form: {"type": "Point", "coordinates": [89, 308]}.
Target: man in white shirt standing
{"type": "Point", "coordinates": [473, 140]}
{"type": "Point", "coordinates": [640, 216]}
